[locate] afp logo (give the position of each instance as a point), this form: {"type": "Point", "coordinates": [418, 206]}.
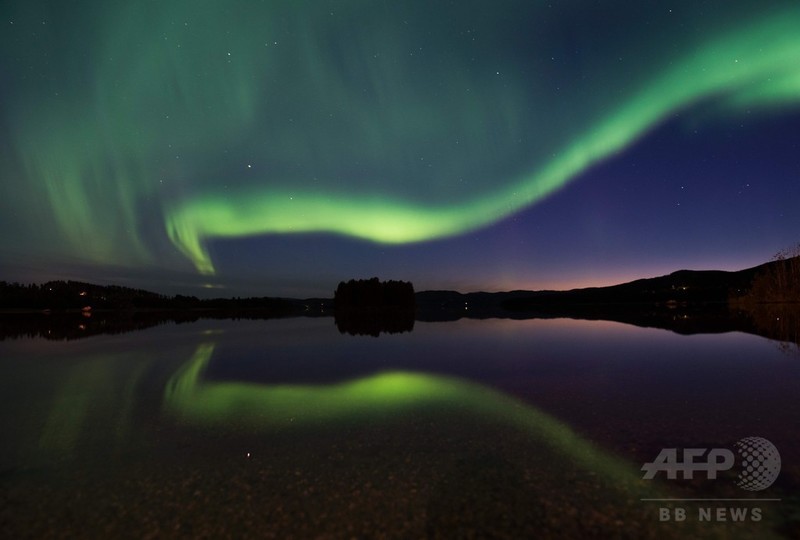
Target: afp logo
{"type": "Point", "coordinates": [759, 463]}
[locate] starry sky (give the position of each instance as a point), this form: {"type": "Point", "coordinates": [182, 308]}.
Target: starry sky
{"type": "Point", "coordinates": [235, 147]}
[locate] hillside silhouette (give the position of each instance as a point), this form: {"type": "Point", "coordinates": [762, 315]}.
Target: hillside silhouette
{"type": "Point", "coordinates": [763, 300]}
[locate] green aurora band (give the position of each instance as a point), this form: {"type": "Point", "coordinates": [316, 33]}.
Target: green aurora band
{"type": "Point", "coordinates": [768, 53]}
{"type": "Point", "coordinates": [381, 397]}
{"type": "Point", "coordinates": [394, 124]}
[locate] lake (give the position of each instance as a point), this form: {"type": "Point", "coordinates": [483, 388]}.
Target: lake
{"type": "Point", "coordinates": [287, 428]}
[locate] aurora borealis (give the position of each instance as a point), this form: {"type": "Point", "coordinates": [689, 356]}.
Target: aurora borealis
{"type": "Point", "coordinates": [382, 397]}
{"type": "Point", "coordinates": [277, 147]}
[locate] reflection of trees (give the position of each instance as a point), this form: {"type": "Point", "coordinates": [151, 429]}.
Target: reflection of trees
{"type": "Point", "coordinates": [70, 326]}
{"type": "Point", "coordinates": [777, 321]}
{"type": "Point", "coordinates": [373, 322]}
{"type": "Point", "coordinates": [66, 326]}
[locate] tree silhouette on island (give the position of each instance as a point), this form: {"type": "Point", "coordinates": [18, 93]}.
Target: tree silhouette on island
{"type": "Point", "coordinates": [373, 293]}
{"type": "Point", "coordinates": [371, 306]}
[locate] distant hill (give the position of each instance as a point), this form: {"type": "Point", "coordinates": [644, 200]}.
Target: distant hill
{"type": "Point", "coordinates": [694, 289]}
{"type": "Point", "coordinates": [77, 295]}
{"type": "Point", "coordinates": [692, 286]}
{"type": "Point", "coordinates": [678, 288]}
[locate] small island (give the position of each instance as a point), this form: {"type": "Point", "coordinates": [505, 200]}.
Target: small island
{"type": "Point", "coordinates": [372, 306]}
{"type": "Point", "coordinates": [762, 300]}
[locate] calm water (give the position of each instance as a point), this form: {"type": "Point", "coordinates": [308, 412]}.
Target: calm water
{"type": "Point", "coordinates": [476, 428]}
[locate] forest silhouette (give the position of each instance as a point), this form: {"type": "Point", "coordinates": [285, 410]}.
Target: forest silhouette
{"type": "Point", "coordinates": [763, 300]}
{"type": "Point", "coordinates": [371, 306]}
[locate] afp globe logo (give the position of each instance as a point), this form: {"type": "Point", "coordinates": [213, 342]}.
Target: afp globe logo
{"type": "Point", "coordinates": [760, 463]}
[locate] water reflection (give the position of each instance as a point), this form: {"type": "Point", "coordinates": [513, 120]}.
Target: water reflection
{"type": "Point", "coordinates": [69, 326]}
{"type": "Point", "coordinates": [776, 321]}
{"type": "Point", "coordinates": [779, 322]}
{"type": "Point", "coordinates": [456, 426]}
{"type": "Point", "coordinates": [374, 322]}
{"type": "Point", "coordinates": [375, 398]}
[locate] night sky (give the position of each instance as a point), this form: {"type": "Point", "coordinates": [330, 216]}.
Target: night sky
{"type": "Point", "coordinates": [275, 148]}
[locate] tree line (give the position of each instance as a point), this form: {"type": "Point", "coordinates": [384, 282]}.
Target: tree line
{"type": "Point", "coordinates": [374, 293]}
{"type": "Point", "coordinates": [779, 281]}
{"type": "Point", "coordinates": [76, 295]}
